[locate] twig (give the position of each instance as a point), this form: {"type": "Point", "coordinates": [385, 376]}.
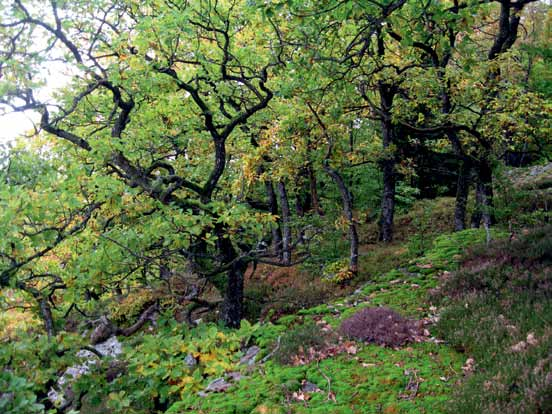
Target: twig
{"type": "Point", "coordinates": [93, 350]}
{"type": "Point", "coordinates": [330, 395]}
{"type": "Point", "coordinates": [266, 358]}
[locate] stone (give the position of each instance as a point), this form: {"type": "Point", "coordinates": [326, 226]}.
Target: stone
{"type": "Point", "coordinates": [250, 355]}
{"type": "Point", "coordinates": [218, 385]}
{"type": "Point", "coordinates": [190, 361]}
{"type": "Point", "coordinates": [234, 376]}
{"type": "Point", "coordinates": [309, 387]}
{"type": "Point", "coordinates": [110, 348]}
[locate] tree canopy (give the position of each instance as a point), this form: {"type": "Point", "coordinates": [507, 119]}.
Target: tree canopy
{"type": "Point", "coordinates": [187, 131]}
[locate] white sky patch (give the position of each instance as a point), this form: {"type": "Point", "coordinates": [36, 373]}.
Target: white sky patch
{"type": "Point", "coordinates": [15, 124]}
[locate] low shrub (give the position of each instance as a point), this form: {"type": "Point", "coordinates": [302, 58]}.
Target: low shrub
{"type": "Point", "coordinates": [382, 326]}
{"type": "Point", "coordinates": [308, 337]}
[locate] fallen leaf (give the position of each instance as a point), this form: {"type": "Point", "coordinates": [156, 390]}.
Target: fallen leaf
{"type": "Point", "coordinates": [531, 340]}
{"type": "Point", "coordinates": [520, 346]}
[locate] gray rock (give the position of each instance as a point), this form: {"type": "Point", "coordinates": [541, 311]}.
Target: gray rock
{"type": "Point", "coordinates": [218, 385]}
{"type": "Point", "coordinates": [110, 348]}
{"type": "Point", "coordinates": [234, 376]}
{"type": "Point", "coordinates": [190, 361]}
{"type": "Point", "coordinates": [60, 394]}
{"type": "Point", "coordinates": [309, 387]}
{"type": "Point", "coordinates": [250, 356]}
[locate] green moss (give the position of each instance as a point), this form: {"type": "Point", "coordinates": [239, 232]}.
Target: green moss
{"type": "Point", "coordinates": [371, 381]}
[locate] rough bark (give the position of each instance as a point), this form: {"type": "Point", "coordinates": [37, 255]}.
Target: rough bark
{"type": "Point", "coordinates": [232, 307]}
{"type": "Point", "coordinates": [46, 315]}
{"type": "Point", "coordinates": [286, 229]}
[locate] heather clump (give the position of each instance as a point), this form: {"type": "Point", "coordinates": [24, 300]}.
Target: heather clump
{"type": "Point", "coordinates": [382, 326]}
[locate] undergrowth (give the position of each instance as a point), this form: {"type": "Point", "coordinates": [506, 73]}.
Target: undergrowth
{"type": "Point", "coordinates": [501, 315]}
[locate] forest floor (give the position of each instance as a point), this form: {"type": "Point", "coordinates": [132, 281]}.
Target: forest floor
{"type": "Point", "coordinates": [343, 376]}
{"type": "Point", "coordinates": [481, 338]}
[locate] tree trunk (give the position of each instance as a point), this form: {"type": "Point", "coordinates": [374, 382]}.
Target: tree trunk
{"type": "Point", "coordinates": [314, 192]}
{"type": "Point", "coordinates": [462, 191]}
{"type": "Point", "coordinates": [388, 201]}
{"type": "Point", "coordinates": [486, 180]}
{"type": "Point", "coordinates": [46, 314]}
{"type": "Point", "coordinates": [232, 307]}
{"type": "Point", "coordinates": [476, 215]}
{"type": "Point", "coordinates": [286, 233]}
{"type": "Point", "coordinates": [347, 201]}
{"type": "Point", "coordinates": [300, 211]}
{"type": "Point", "coordinates": [483, 195]}
{"type": "Point", "coordinates": [387, 94]}
{"type": "Point", "coordinates": [276, 229]}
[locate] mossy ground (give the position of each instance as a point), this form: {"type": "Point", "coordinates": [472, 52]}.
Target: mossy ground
{"type": "Point", "coordinates": [372, 380]}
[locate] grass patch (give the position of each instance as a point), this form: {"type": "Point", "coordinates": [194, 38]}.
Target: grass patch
{"type": "Point", "coordinates": [499, 311]}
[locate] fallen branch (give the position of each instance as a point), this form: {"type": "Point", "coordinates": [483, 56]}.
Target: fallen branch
{"type": "Point", "coordinates": [330, 395]}
{"type": "Point", "coordinates": [267, 357]}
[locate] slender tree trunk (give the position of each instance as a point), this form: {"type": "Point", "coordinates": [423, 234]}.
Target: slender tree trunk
{"type": "Point", "coordinates": [347, 201]}
{"type": "Point", "coordinates": [314, 192]}
{"type": "Point", "coordinates": [462, 191]}
{"type": "Point", "coordinates": [477, 211]}
{"type": "Point", "coordinates": [388, 201]}
{"type": "Point", "coordinates": [387, 95]}
{"type": "Point", "coordinates": [46, 314]}
{"type": "Point", "coordinates": [483, 195]}
{"type": "Point", "coordinates": [286, 233]}
{"type": "Point", "coordinates": [276, 229]}
{"type": "Point", "coordinates": [300, 210]}
{"type": "Point", "coordinates": [486, 180]}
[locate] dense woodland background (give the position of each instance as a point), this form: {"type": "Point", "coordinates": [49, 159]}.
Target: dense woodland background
{"type": "Point", "coordinates": [220, 185]}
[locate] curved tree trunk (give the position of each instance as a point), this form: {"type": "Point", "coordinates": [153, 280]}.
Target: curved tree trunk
{"type": "Point", "coordinates": [347, 201]}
